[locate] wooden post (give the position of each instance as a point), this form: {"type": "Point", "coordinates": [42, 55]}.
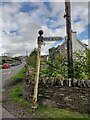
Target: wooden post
{"type": "Point", "coordinates": [40, 42]}
{"type": "Point", "coordinates": [37, 78]}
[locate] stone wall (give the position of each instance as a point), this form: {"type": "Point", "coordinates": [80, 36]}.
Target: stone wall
{"type": "Point", "coordinates": [56, 81]}
{"type": "Point", "coordinates": [60, 82]}
{"type": "Point", "coordinates": [60, 93]}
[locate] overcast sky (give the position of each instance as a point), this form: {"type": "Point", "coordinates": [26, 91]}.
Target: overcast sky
{"type": "Point", "coordinates": [21, 22]}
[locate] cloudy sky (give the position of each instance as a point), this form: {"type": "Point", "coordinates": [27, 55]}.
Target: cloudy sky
{"type": "Point", "coordinates": [21, 22]}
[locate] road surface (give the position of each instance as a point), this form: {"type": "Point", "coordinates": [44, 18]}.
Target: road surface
{"type": "Point", "coordinates": [6, 74]}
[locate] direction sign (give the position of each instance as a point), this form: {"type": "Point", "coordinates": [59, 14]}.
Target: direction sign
{"type": "Point", "coordinates": [52, 38]}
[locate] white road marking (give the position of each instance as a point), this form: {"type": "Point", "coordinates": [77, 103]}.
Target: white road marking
{"type": "Point", "coordinates": [9, 72]}
{"type": "Point", "coordinates": [6, 72]}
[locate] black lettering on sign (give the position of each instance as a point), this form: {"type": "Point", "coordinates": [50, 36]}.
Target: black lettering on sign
{"type": "Point", "coordinates": [52, 38]}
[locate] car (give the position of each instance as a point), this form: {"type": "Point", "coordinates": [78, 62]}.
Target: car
{"type": "Point", "coordinates": [6, 65]}
{"type": "Point", "coordinates": [13, 64]}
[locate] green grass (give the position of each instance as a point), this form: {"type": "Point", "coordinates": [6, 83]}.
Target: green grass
{"type": "Point", "coordinates": [19, 75]}
{"type": "Point", "coordinates": [15, 95]}
{"type": "Point", "coordinates": [50, 112]}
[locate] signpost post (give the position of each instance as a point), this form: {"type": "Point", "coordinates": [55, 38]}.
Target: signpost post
{"type": "Point", "coordinates": [41, 40]}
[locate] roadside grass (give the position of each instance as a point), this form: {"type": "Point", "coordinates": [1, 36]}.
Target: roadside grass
{"type": "Point", "coordinates": [51, 112]}
{"type": "Point", "coordinates": [15, 95]}
{"type": "Point", "coordinates": [19, 75]}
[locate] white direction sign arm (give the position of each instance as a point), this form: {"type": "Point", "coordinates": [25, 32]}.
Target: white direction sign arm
{"type": "Point", "coordinates": [52, 38]}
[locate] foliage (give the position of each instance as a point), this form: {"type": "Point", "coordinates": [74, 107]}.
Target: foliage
{"type": "Point", "coordinates": [17, 58]}
{"type": "Point", "coordinates": [80, 65]}
{"type": "Point", "coordinates": [59, 66]}
{"type": "Point", "coordinates": [3, 61]}
{"type": "Point", "coordinates": [51, 53]}
{"type": "Point", "coordinates": [0, 62]}
{"type": "Point", "coordinates": [32, 59]}
{"type": "Point", "coordinates": [88, 54]}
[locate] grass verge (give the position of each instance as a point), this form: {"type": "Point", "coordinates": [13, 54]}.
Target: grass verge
{"type": "Point", "coordinates": [50, 112]}
{"type": "Point", "coordinates": [19, 75]}
{"type": "Point", "coordinates": [16, 96]}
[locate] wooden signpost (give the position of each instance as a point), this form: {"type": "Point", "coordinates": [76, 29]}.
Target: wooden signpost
{"type": "Point", "coordinates": [41, 40]}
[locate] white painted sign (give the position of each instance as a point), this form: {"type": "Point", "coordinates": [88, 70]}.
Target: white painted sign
{"type": "Point", "coordinates": [52, 38]}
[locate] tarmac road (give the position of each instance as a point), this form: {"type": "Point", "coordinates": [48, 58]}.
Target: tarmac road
{"type": "Point", "coordinates": [6, 74]}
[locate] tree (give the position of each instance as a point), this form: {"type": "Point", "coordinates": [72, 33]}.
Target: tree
{"type": "Point", "coordinates": [3, 61]}
{"type": "Point", "coordinates": [32, 59]}
{"type": "Point", "coordinates": [51, 54]}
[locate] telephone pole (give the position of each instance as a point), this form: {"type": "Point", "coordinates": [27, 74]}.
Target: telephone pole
{"type": "Point", "coordinates": [69, 38]}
